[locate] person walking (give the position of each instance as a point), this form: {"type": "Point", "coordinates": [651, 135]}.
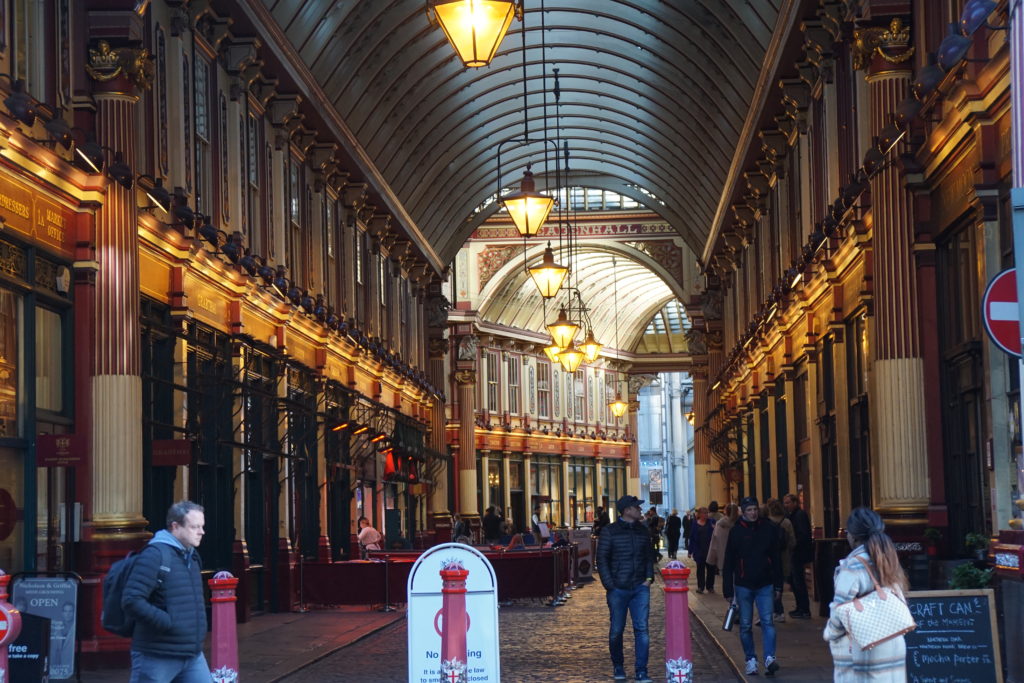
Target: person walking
{"type": "Point", "coordinates": [368, 537]}
{"type": "Point", "coordinates": [654, 526]}
{"type": "Point", "coordinates": [873, 553]}
{"type": "Point", "coordinates": [600, 520]}
{"type": "Point", "coordinates": [787, 542]}
{"type": "Point", "coordinates": [625, 563]}
{"type": "Point", "coordinates": [713, 511]}
{"type": "Point", "coordinates": [803, 554]}
{"type": "Point", "coordinates": [753, 569]}
{"type": "Point", "coordinates": [720, 537]}
{"type": "Point", "coordinates": [673, 527]}
{"type": "Point", "coordinates": [687, 524]}
{"type": "Point", "coordinates": [700, 542]}
{"type": "Point", "coordinates": [164, 582]}
{"type": "Point", "coordinates": [492, 525]}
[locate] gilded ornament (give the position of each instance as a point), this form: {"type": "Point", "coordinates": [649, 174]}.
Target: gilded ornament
{"type": "Point", "coordinates": [107, 63]}
{"type": "Point", "coordinates": [891, 44]}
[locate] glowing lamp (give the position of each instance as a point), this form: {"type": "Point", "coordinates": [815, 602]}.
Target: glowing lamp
{"type": "Point", "coordinates": [474, 27]}
{"type": "Point", "coordinates": [548, 276]}
{"type": "Point", "coordinates": [563, 330]}
{"type": "Point", "coordinates": [618, 406]}
{"type": "Point", "coordinates": [570, 358]}
{"type": "Point", "coordinates": [591, 347]}
{"type": "Point", "coordinates": [528, 208]}
{"type": "Point", "coordinates": [551, 351]}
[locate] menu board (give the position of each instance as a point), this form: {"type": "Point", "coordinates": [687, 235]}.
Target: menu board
{"type": "Point", "coordinates": [956, 640]}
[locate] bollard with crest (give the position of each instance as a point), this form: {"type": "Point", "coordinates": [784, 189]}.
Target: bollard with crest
{"type": "Point", "coordinates": [224, 637]}
{"type": "Point", "coordinates": [678, 648]}
{"type": "Point", "coordinates": [10, 625]}
{"type": "Point", "coordinates": [454, 623]}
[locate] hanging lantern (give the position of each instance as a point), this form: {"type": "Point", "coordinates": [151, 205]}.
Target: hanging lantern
{"type": "Point", "coordinates": [474, 27]}
{"type": "Point", "coordinates": [570, 358]}
{"type": "Point", "coordinates": [528, 208]}
{"type": "Point", "coordinates": [548, 276]}
{"type": "Point", "coordinates": [618, 406]}
{"type": "Point", "coordinates": [563, 330]}
{"type": "Point", "coordinates": [591, 347]}
{"type": "Point", "coordinates": [551, 351]}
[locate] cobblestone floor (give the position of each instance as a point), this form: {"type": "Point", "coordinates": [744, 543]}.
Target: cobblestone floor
{"type": "Point", "coordinates": [566, 644]}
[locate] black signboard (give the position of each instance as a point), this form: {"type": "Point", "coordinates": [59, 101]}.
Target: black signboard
{"type": "Point", "coordinates": [956, 640]}
{"type": "Point", "coordinates": [28, 655]}
{"type": "Point", "coordinates": [56, 598]}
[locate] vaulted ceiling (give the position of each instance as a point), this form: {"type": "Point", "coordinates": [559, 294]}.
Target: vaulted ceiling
{"type": "Point", "coordinates": [654, 95]}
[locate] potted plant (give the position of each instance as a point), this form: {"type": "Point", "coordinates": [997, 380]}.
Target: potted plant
{"type": "Point", "coordinates": [932, 536]}
{"type": "Point", "coordinates": [978, 543]}
{"type": "Point", "coordinates": [967, 576]}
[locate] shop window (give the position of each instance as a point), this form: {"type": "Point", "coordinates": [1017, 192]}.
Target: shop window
{"type": "Point", "coordinates": [10, 305]}
{"type": "Point", "coordinates": [49, 360]}
{"type": "Point", "coordinates": [493, 380]}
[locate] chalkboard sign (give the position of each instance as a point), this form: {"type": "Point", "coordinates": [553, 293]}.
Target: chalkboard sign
{"type": "Point", "coordinates": [956, 640]}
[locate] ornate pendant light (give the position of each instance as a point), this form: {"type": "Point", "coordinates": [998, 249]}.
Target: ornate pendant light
{"type": "Point", "coordinates": [618, 406]}
{"type": "Point", "coordinates": [570, 358]}
{"type": "Point", "coordinates": [528, 208]}
{"type": "Point", "coordinates": [551, 351]}
{"type": "Point", "coordinates": [548, 276]}
{"type": "Point", "coordinates": [591, 347]}
{"type": "Point", "coordinates": [474, 27]}
{"type": "Point", "coordinates": [563, 331]}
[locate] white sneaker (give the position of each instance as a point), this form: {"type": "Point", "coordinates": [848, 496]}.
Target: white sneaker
{"type": "Point", "coordinates": [751, 667]}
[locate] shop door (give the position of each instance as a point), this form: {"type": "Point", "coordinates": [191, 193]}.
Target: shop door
{"type": "Point", "coordinates": [829, 445]}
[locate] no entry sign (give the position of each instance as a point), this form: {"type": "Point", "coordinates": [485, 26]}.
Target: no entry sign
{"type": "Point", "coordinates": [1001, 313]}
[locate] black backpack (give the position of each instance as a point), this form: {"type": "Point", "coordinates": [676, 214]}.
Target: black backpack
{"type": "Point", "coordinates": [113, 617]}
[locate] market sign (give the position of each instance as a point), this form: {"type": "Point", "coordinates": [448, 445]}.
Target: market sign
{"type": "Point", "coordinates": [29, 212]}
{"type": "Point", "coordinates": [59, 450]}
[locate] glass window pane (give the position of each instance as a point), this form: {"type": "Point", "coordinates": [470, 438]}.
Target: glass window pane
{"type": "Point", "coordinates": [9, 305]}
{"type": "Point", "coordinates": [49, 360]}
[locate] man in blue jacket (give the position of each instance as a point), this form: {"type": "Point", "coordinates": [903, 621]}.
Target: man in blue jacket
{"type": "Point", "coordinates": [164, 594]}
{"type": "Point", "coordinates": [625, 562]}
{"type": "Point", "coordinates": [753, 565]}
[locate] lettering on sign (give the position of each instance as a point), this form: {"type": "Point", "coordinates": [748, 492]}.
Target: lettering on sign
{"type": "Point", "coordinates": [1007, 560]}
{"type": "Point", "coordinates": [913, 547]}
{"type": "Point", "coordinates": [952, 197]}
{"type": "Point", "coordinates": [583, 230]}
{"type": "Point", "coordinates": [31, 213]}
{"type": "Point", "coordinates": [18, 208]}
{"type": "Point", "coordinates": [206, 303]}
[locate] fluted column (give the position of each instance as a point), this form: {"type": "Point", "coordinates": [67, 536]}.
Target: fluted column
{"type": "Point", "coordinates": [465, 381]}
{"type": "Point", "coordinates": [680, 491]}
{"type": "Point", "coordinates": [901, 479]}
{"type": "Point", "coordinates": [438, 349]}
{"type": "Point", "coordinates": [116, 454]}
{"type": "Point", "coordinates": [485, 472]}
{"type": "Point", "coordinates": [633, 470]}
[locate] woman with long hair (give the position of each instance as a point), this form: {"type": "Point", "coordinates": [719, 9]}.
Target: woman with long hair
{"type": "Point", "coordinates": [720, 537]}
{"type": "Point", "coordinates": [873, 553]}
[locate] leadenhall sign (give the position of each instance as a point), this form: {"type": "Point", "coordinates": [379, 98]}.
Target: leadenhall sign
{"type": "Point", "coordinates": [583, 230]}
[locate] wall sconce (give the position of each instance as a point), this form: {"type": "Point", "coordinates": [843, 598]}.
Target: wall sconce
{"type": "Point", "coordinates": [19, 103]}
{"type": "Point", "coordinates": [157, 193]}
{"type": "Point", "coordinates": [493, 480]}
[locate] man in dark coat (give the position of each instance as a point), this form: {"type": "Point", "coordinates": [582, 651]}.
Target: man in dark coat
{"type": "Point", "coordinates": [492, 525]}
{"type": "Point", "coordinates": [625, 562]}
{"type": "Point", "coordinates": [166, 601]}
{"type": "Point", "coordinates": [803, 554]}
{"type": "Point", "coordinates": [753, 567]}
{"type": "Point", "coordinates": [673, 527]}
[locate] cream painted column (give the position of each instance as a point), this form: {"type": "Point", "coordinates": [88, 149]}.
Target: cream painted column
{"type": "Point", "coordinates": [566, 514]}
{"type": "Point", "coordinates": [633, 470]}
{"type": "Point", "coordinates": [506, 503]}
{"type": "Point", "coordinates": [485, 485]}
{"type": "Point", "coordinates": [527, 490]}
{"type": "Point", "coordinates": [900, 467]}
{"type": "Point", "coordinates": [116, 453]}
{"type": "Point", "coordinates": [773, 439]}
{"type": "Point", "coordinates": [842, 419]}
{"type": "Point", "coordinates": [465, 381]}
{"type": "Point", "coordinates": [600, 488]}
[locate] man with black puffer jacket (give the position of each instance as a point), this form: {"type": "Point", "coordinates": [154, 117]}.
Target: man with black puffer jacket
{"type": "Point", "coordinates": [753, 565]}
{"type": "Point", "coordinates": [625, 562]}
{"type": "Point", "coordinates": [167, 602]}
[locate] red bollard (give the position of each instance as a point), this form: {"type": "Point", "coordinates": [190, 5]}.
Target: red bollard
{"type": "Point", "coordinates": [224, 639]}
{"type": "Point", "coordinates": [454, 623]}
{"type": "Point", "coordinates": [678, 648]}
{"type": "Point", "coordinates": [10, 625]}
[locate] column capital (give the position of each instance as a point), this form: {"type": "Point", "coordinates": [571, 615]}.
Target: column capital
{"type": "Point", "coordinates": [880, 50]}
{"type": "Point", "coordinates": [465, 377]}
{"type": "Point", "coordinates": [120, 70]}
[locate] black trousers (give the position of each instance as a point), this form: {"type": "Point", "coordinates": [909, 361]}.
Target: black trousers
{"type": "Point", "coordinates": [706, 576]}
{"type": "Point", "coordinates": [673, 544]}
{"type": "Point", "coordinates": [798, 581]}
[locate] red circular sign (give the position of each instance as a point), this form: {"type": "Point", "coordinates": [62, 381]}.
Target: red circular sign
{"type": "Point", "coordinates": [1001, 313]}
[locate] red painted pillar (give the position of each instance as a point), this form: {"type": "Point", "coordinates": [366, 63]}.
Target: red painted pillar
{"type": "Point", "coordinates": [678, 648]}
{"type": "Point", "coordinates": [10, 625]}
{"type": "Point", "coordinates": [224, 637]}
{"type": "Point", "coordinates": [454, 623]}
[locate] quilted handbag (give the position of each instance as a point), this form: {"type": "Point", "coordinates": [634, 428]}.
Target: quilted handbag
{"type": "Point", "coordinates": [876, 617]}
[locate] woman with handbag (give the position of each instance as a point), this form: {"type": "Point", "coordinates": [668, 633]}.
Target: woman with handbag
{"type": "Point", "coordinates": [869, 614]}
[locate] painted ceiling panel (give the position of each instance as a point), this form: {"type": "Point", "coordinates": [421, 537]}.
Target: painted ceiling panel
{"type": "Point", "coordinates": [653, 94]}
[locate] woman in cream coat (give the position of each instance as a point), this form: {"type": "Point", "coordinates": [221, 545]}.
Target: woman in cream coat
{"type": "Point", "coordinates": [716, 552]}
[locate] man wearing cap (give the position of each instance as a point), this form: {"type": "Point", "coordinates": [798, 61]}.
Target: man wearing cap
{"type": "Point", "coordinates": [754, 567]}
{"type": "Point", "coordinates": [625, 562]}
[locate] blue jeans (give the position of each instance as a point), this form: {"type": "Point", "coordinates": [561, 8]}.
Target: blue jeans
{"type": "Point", "coordinates": [746, 598]}
{"type": "Point", "coordinates": [638, 601]}
{"type": "Point", "coordinates": [152, 669]}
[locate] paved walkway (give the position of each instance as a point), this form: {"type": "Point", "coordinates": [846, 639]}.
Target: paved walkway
{"type": "Point", "coordinates": [567, 644]}
{"type": "Point", "coordinates": [802, 654]}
